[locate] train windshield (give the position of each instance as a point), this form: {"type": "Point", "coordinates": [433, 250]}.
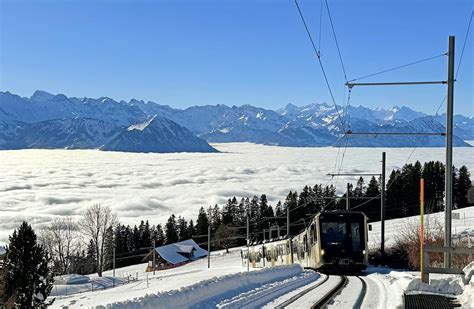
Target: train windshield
{"type": "Point", "coordinates": [339, 231]}
{"type": "Point", "coordinates": [333, 232]}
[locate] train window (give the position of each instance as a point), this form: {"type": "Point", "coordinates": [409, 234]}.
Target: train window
{"type": "Point", "coordinates": [333, 231]}
{"type": "Point", "coordinates": [355, 235]}
{"type": "Point", "coordinates": [314, 236]}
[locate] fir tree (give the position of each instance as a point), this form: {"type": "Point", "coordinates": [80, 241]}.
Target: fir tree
{"type": "Point", "coordinates": [182, 229]}
{"type": "Point", "coordinates": [463, 184]}
{"type": "Point", "coordinates": [191, 229]}
{"type": "Point", "coordinates": [171, 230]}
{"type": "Point", "coordinates": [28, 280]}
{"type": "Point", "coordinates": [202, 222]}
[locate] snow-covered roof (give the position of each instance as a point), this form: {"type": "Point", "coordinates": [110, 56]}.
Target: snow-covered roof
{"type": "Point", "coordinates": [172, 252]}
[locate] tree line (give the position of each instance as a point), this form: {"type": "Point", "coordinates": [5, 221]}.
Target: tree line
{"type": "Point", "coordinates": [228, 222]}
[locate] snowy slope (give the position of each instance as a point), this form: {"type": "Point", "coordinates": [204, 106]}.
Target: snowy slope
{"type": "Point", "coordinates": [157, 134]}
{"type": "Point", "coordinates": [462, 228]}
{"type": "Point", "coordinates": [385, 286]}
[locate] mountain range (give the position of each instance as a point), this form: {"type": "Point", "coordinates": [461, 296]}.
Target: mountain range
{"type": "Point", "coordinates": [56, 121]}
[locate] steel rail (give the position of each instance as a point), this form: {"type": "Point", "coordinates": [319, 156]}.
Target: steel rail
{"type": "Point", "coordinates": [360, 299]}
{"type": "Point", "coordinates": [331, 294]}
{"type": "Point", "coordinates": [294, 298]}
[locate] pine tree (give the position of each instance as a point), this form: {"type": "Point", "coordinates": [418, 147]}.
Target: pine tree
{"type": "Point", "coordinates": [228, 212]}
{"type": "Point", "coordinates": [109, 248]}
{"type": "Point", "coordinates": [159, 236]}
{"type": "Point", "coordinates": [463, 185]}
{"type": "Point", "coordinates": [145, 235]}
{"type": "Point", "coordinates": [182, 229]}
{"type": "Point", "coordinates": [90, 264]}
{"type": "Point", "coordinates": [372, 207]}
{"type": "Point", "coordinates": [202, 222]}
{"type": "Point", "coordinates": [28, 280]}
{"type": "Point", "coordinates": [191, 229]}
{"type": "Point", "coordinates": [216, 218]}
{"type": "Point", "coordinates": [171, 230]}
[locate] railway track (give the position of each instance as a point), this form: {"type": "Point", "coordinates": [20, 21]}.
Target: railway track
{"type": "Point", "coordinates": [331, 294]}
{"type": "Point", "coordinates": [326, 290]}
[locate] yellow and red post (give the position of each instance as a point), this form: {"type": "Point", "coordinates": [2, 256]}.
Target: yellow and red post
{"type": "Point", "coordinates": [422, 227]}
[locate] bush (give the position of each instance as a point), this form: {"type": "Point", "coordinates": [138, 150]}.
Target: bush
{"type": "Point", "coordinates": [405, 252]}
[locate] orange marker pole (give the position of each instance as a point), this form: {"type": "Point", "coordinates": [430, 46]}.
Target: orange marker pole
{"type": "Point", "coordinates": [422, 227]}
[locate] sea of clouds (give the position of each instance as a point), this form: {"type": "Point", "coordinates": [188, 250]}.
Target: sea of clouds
{"type": "Point", "coordinates": [38, 185]}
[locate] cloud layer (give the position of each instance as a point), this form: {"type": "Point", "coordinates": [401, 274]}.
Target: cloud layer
{"type": "Point", "coordinates": [38, 185]}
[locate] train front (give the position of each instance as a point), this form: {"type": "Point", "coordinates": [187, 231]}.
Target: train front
{"type": "Point", "coordinates": [343, 241]}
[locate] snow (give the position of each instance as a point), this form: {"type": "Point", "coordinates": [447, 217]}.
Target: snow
{"type": "Point", "coordinates": [171, 252]}
{"type": "Point", "coordinates": [349, 295]}
{"type": "Point", "coordinates": [141, 126]}
{"type": "Point", "coordinates": [211, 292]}
{"type": "Point", "coordinates": [462, 228]}
{"type": "Point", "coordinates": [165, 280]}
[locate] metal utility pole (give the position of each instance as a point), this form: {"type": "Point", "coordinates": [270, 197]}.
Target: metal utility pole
{"type": "Point", "coordinates": [382, 208]}
{"type": "Point", "coordinates": [288, 220]}
{"type": "Point", "coordinates": [154, 257]}
{"type": "Point", "coordinates": [209, 241]}
{"type": "Point", "coordinates": [449, 153]}
{"type": "Point", "coordinates": [348, 206]}
{"type": "Point", "coordinates": [113, 263]}
{"type": "Point", "coordinates": [269, 231]}
{"type": "Point", "coordinates": [248, 238]}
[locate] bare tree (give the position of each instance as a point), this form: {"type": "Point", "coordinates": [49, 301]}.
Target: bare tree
{"type": "Point", "coordinates": [95, 222]}
{"type": "Point", "coordinates": [60, 238]}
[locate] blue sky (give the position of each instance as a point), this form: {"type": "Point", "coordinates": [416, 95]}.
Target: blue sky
{"type": "Point", "coordinates": [184, 53]}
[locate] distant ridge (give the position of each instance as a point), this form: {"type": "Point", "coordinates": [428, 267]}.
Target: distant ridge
{"type": "Point", "coordinates": [311, 125]}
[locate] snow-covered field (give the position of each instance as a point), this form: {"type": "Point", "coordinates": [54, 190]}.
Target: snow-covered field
{"type": "Point", "coordinates": [462, 227]}
{"type": "Point", "coordinates": [37, 185]}
{"type": "Point", "coordinates": [228, 285]}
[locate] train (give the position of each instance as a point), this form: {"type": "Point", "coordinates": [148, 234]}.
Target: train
{"type": "Point", "coordinates": [332, 242]}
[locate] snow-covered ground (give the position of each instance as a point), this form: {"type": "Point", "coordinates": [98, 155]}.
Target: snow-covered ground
{"type": "Point", "coordinates": [462, 228]}
{"type": "Point", "coordinates": [233, 287]}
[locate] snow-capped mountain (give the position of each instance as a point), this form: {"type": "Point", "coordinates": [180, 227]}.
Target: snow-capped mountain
{"type": "Point", "coordinates": [70, 133]}
{"type": "Point", "coordinates": [157, 134]}
{"type": "Point", "coordinates": [49, 121]}
{"type": "Point", "coordinates": [303, 126]}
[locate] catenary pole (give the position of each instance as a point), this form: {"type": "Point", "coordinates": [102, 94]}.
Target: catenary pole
{"type": "Point", "coordinates": [248, 238]}
{"type": "Point", "coordinates": [113, 264]}
{"type": "Point", "coordinates": [288, 220]}
{"type": "Point", "coordinates": [449, 153]}
{"type": "Point", "coordinates": [209, 241]}
{"type": "Point", "coordinates": [348, 206]}
{"type": "Point", "coordinates": [382, 208]}
{"type": "Point", "coordinates": [422, 228]}
{"type": "Point", "coordinates": [154, 261]}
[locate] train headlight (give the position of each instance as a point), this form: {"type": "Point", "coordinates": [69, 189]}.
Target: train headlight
{"type": "Point", "coordinates": [322, 252]}
{"type": "Point", "coordinates": [363, 251]}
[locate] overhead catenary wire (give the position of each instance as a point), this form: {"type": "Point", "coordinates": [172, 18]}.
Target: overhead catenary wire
{"type": "Point", "coordinates": [464, 44]}
{"type": "Point", "coordinates": [318, 56]}
{"type": "Point", "coordinates": [335, 39]}
{"type": "Point", "coordinates": [398, 67]}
